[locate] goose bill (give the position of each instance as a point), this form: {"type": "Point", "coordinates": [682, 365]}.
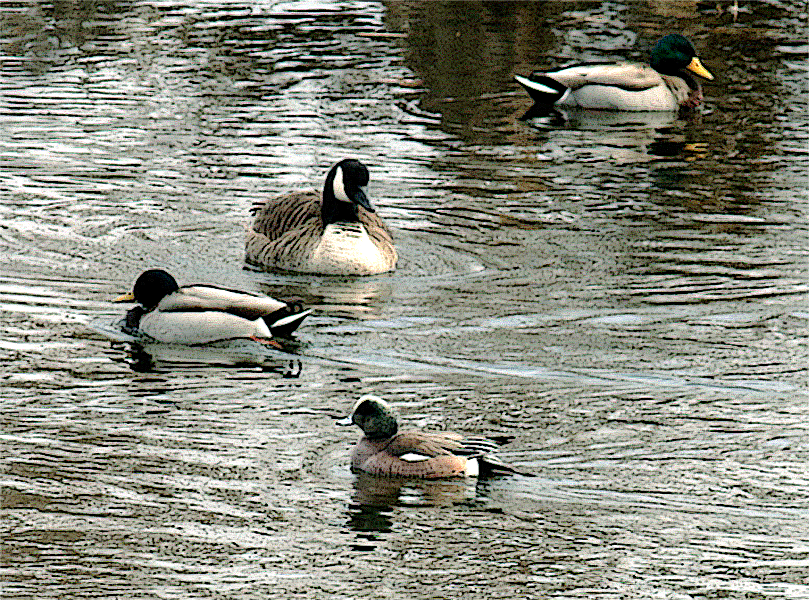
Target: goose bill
{"type": "Point", "coordinates": [361, 199]}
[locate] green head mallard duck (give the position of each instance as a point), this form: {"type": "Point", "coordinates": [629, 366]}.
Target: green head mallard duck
{"type": "Point", "coordinates": [338, 233]}
{"type": "Point", "coordinates": [201, 313]}
{"type": "Point", "coordinates": [666, 83]}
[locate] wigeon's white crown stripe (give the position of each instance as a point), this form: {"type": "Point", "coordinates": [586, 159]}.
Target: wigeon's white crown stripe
{"type": "Point", "coordinates": [472, 468]}
{"type": "Point", "coordinates": [364, 398]}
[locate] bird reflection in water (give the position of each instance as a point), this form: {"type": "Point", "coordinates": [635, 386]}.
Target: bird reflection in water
{"type": "Point", "coordinates": [371, 509]}
{"type": "Point", "coordinates": [153, 358]}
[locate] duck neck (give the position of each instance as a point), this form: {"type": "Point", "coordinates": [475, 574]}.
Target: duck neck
{"type": "Point", "coordinates": [667, 68]}
{"type": "Point", "coordinates": [383, 428]}
{"type": "Point", "coordinates": [132, 320]}
{"type": "Point", "coordinates": [692, 83]}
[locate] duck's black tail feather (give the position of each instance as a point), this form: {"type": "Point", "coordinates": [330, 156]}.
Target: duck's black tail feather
{"type": "Point", "coordinates": [489, 465]}
{"type": "Point", "coordinates": [286, 320]}
{"type": "Point", "coordinates": [541, 88]}
{"type": "Point", "coordinates": [492, 466]}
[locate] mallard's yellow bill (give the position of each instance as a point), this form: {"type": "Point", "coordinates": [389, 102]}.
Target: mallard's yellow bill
{"type": "Point", "coordinates": [130, 297]}
{"type": "Point", "coordinates": [695, 66]}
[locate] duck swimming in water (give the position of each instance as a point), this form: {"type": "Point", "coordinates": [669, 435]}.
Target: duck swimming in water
{"type": "Point", "coordinates": [202, 313]}
{"type": "Point", "coordinates": [386, 451]}
{"type": "Point", "coordinates": [666, 83]}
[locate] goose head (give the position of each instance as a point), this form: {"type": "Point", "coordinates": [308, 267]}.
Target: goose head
{"type": "Point", "coordinates": [345, 192]}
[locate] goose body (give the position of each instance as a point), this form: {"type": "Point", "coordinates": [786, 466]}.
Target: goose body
{"type": "Point", "coordinates": [665, 84]}
{"type": "Point", "coordinates": [338, 233]}
{"type": "Point", "coordinates": [385, 451]}
{"type": "Point", "coordinates": [200, 314]}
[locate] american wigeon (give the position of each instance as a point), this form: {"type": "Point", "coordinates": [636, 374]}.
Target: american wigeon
{"type": "Point", "coordinates": [383, 450]}
{"type": "Point", "coordinates": [666, 83]}
{"type": "Point", "coordinates": [199, 314]}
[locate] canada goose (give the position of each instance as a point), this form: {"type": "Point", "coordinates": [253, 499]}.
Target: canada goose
{"type": "Point", "coordinates": [430, 455]}
{"type": "Point", "coordinates": [340, 234]}
{"type": "Point", "coordinates": [663, 84]}
{"type": "Point", "coordinates": [199, 314]}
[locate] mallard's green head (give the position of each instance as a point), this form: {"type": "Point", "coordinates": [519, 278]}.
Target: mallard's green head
{"type": "Point", "coordinates": [150, 288]}
{"type": "Point", "coordinates": [673, 53]}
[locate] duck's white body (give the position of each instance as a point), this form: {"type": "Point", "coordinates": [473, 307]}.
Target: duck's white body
{"type": "Point", "coordinates": [200, 327]}
{"type": "Point", "coordinates": [628, 87]}
{"type": "Point", "coordinates": [200, 314]}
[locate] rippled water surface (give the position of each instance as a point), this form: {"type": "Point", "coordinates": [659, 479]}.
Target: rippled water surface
{"type": "Point", "coordinates": [624, 295]}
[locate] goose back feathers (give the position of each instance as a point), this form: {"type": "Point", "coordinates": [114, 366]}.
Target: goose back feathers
{"type": "Point", "coordinates": [338, 233]}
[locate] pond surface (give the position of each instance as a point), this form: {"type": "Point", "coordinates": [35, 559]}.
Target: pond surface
{"type": "Point", "coordinates": [624, 295]}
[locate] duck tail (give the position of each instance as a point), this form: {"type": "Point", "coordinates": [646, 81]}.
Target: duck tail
{"type": "Point", "coordinates": [541, 88]}
{"type": "Point", "coordinates": [491, 466]}
{"type": "Point", "coordinates": [286, 320]}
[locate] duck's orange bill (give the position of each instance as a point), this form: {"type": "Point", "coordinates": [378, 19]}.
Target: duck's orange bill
{"type": "Point", "coordinates": [695, 66]}
{"type": "Point", "coordinates": [130, 297]}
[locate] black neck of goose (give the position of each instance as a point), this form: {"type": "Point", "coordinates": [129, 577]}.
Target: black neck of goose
{"type": "Point", "coordinates": [334, 210]}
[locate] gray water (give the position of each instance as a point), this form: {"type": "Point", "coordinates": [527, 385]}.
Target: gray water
{"type": "Point", "coordinates": [624, 295]}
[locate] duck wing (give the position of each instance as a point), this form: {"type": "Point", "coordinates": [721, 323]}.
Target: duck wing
{"type": "Point", "coordinates": [196, 298]}
{"type": "Point", "coordinates": [424, 454]}
{"type": "Point", "coordinates": [426, 444]}
{"type": "Point", "coordinates": [627, 76]}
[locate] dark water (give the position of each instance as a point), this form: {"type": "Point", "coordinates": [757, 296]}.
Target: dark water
{"type": "Point", "coordinates": [625, 295]}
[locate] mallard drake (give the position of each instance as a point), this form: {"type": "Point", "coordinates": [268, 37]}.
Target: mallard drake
{"type": "Point", "coordinates": [199, 314]}
{"type": "Point", "coordinates": [664, 84]}
{"type": "Point", "coordinates": [383, 450]}
{"type": "Point", "coordinates": [338, 234]}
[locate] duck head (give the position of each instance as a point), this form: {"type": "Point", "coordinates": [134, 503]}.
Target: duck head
{"type": "Point", "coordinates": [374, 416]}
{"type": "Point", "coordinates": [150, 288]}
{"type": "Point", "coordinates": [345, 192]}
{"type": "Point", "coordinates": [673, 53]}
